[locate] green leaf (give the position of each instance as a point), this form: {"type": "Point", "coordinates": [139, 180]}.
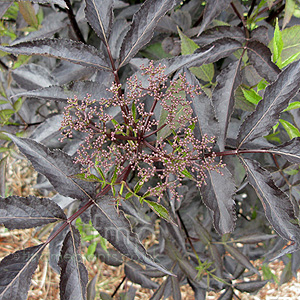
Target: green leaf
{"type": "Point", "coordinates": [290, 129]}
{"type": "Point", "coordinates": [155, 52]}
{"type": "Point", "coordinates": [18, 104]}
{"type": "Point", "coordinates": [88, 178]}
{"type": "Point", "coordinates": [290, 60]}
{"type": "Point", "coordinates": [291, 42]}
{"type": "Point", "coordinates": [159, 210]}
{"type": "Point", "coordinates": [252, 96]}
{"type": "Point", "coordinates": [277, 44]}
{"type": "Point", "coordinates": [293, 105]}
{"type": "Point", "coordinates": [22, 59]}
{"type": "Point", "coordinates": [28, 13]}
{"type": "Point", "coordinates": [91, 249]}
{"type": "Point", "coordinates": [262, 85]}
{"type": "Point", "coordinates": [290, 6]}
{"type": "Point", "coordinates": [188, 46]}
{"type": "Point", "coordinates": [268, 274]}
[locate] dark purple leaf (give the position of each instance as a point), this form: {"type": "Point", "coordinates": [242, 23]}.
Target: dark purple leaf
{"type": "Point", "coordinates": [205, 55]}
{"type": "Point", "coordinates": [202, 232]}
{"type": "Point", "coordinates": [115, 227]}
{"type": "Point", "coordinates": [58, 2]}
{"type": "Point", "coordinates": [47, 129]}
{"type": "Point", "coordinates": [91, 288]}
{"type": "Point", "coordinates": [211, 35]}
{"type": "Point", "coordinates": [134, 273]}
{"type": "Point", "coordinates": [241, 258]}
{"type": "Point", "coordinates": [227, 295]}
{"type": "Point", "coordinates": [260, 57]}
{"type": "Point", "coordinates": [51, 24]}
{"type": "Point", "coordinates": [110, 257]}
{"type": "Point", "coordinates": [276, 98]}
{"type": "Point", "coordinates": [199, 293]}
{"type": "Point", "coordinates": [217, 195]}
{"type": "Point", "coordinates": [278, 207]}
{"type": "Point", "coordinates": [175, 288]}
{"type": "Point", "coordinates": [260, 34]}
{"type": "Point", "coordinates": [58, 167]}
{"type": "Point", "coordinates": [27, 212]}
{"type": "Point", "coordinates": [160, 291]}
{"type": "Point", "coordinates": [69, 50]}
{"type": "Point", "coordinates": [212, 10]}
{"type": "Point", "coordinates": [31, 77]}
{"type": "Point", "coordinates": [203, 110]}
{"type": "Point", "coordinates": [119, 30]}
{"type": "Point", "coordinates": [254, 238]}
{"type": "Point", "coordinates": [143, 24]}
{"type": "Point", "coordinates": [55, 247]}
{"type": "Point", "coordinates": [100, 16]}
{"type": "Point", "coordinates": [223, 98]}
{"type": "Point", "coordinates": [16, 271]}
{"type": "Point", "coordinates": [74, 276]}
{"type": "Point", "coordinates": [217, 259]}
{"type": "Point", "coordinates": [80, 89]}
{"type": "Point", "coordinates": [3, 162]}
{"type": "Point", "coordinates": [289, 150]}
{"type": "Point", "coordinates": [251, 286]}
{"type": "Point", "coordinates": [221, 48]}
{"type": "Point", "coordinates": [4, 7]}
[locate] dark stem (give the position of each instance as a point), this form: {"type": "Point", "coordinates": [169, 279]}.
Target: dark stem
{"type": "Point", "coordinates": [241, 17]}
{"type": "Point", "coordinates": [280, 170]}
{"type": "Point", "coordinates": [251, 8]}
{"type": "Point", "coordinates": [118, 287]}
{"type": "Point", "coordinates": [73, 21]}
{"type": "Point", "coordinates": [186, 233]}
{"type": "Point", "coordinates": [267, 8]}
{"type": "Point", "coordinates": [237, 151]}
{"type": "Point", "coordinates": [3, 65]}
{"type": "Point", "coordinates": [103, 192]}
{"type": "Point", "coordinates": [275, 13]}
{"type": "Point", "coordinates": [153, 132]}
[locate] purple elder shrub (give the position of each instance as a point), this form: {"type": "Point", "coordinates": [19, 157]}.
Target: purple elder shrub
{"type": "Point", "coordinates": [130, 146]}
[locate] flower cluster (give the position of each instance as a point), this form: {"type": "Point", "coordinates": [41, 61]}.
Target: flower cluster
{"type": "Point", "coordinates": [164, 147]}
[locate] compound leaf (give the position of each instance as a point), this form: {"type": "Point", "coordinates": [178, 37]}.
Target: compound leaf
{"type": "Point", "coordinates": [203, 110]}
{"type": "Point", "coordinates": [75, 52]}
{"type": "Point", "coordinates": [100, 16]}
{"type": "Point", "coordinates": [62, 93]}
{"type": "Point", "coordinates": [16, 271]}
{"type": "Point", "coordinates": [27, 212]}
{"type": "Point", "coordinates": [218, 32]}
{"type": "Point", "coordinates": [134, 273]}
{"type": "Point", "coordinates": [217, 196]}
{"type": "Point", "coordinates": [223, 98]}
{"type": "Point", "coordinates": [143, 24]}
{"type": "Point", "coordinates": [114, 227]}
{"type": "Point", "coordinates": [57, 166]}
{"type": "Point", "coordinates": [260, 57]}
{"type": "Point", "coordinates": [278, 207]}
{"type": "Point", "coordinates": [241, 258]}
{"type": "Point", "coordinates": [251, 286]}
{"type": "Point", "coordinates": [212, 9]}
{"type": "Point", "coordinates": [289, 150]}
{"type": "Point", "coordinates": [276, 98]}
{"type": "Point", "coordinates": [74, 276]}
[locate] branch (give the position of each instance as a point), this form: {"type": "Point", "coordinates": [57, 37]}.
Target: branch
{"type": "Point", "coordinates": [73, 21]}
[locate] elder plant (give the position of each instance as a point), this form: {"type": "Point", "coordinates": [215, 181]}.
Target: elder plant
{"type": "Point", "coordinates": [127, 146]}
{"type": "Point", "coordinates": [151, 144]}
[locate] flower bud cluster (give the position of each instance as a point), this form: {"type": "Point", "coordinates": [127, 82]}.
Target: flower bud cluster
{"type": "Point", "coordinates": [175, 153]}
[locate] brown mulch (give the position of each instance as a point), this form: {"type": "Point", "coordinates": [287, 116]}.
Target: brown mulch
{"type": "Point", "coordinates": [45, 282]}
